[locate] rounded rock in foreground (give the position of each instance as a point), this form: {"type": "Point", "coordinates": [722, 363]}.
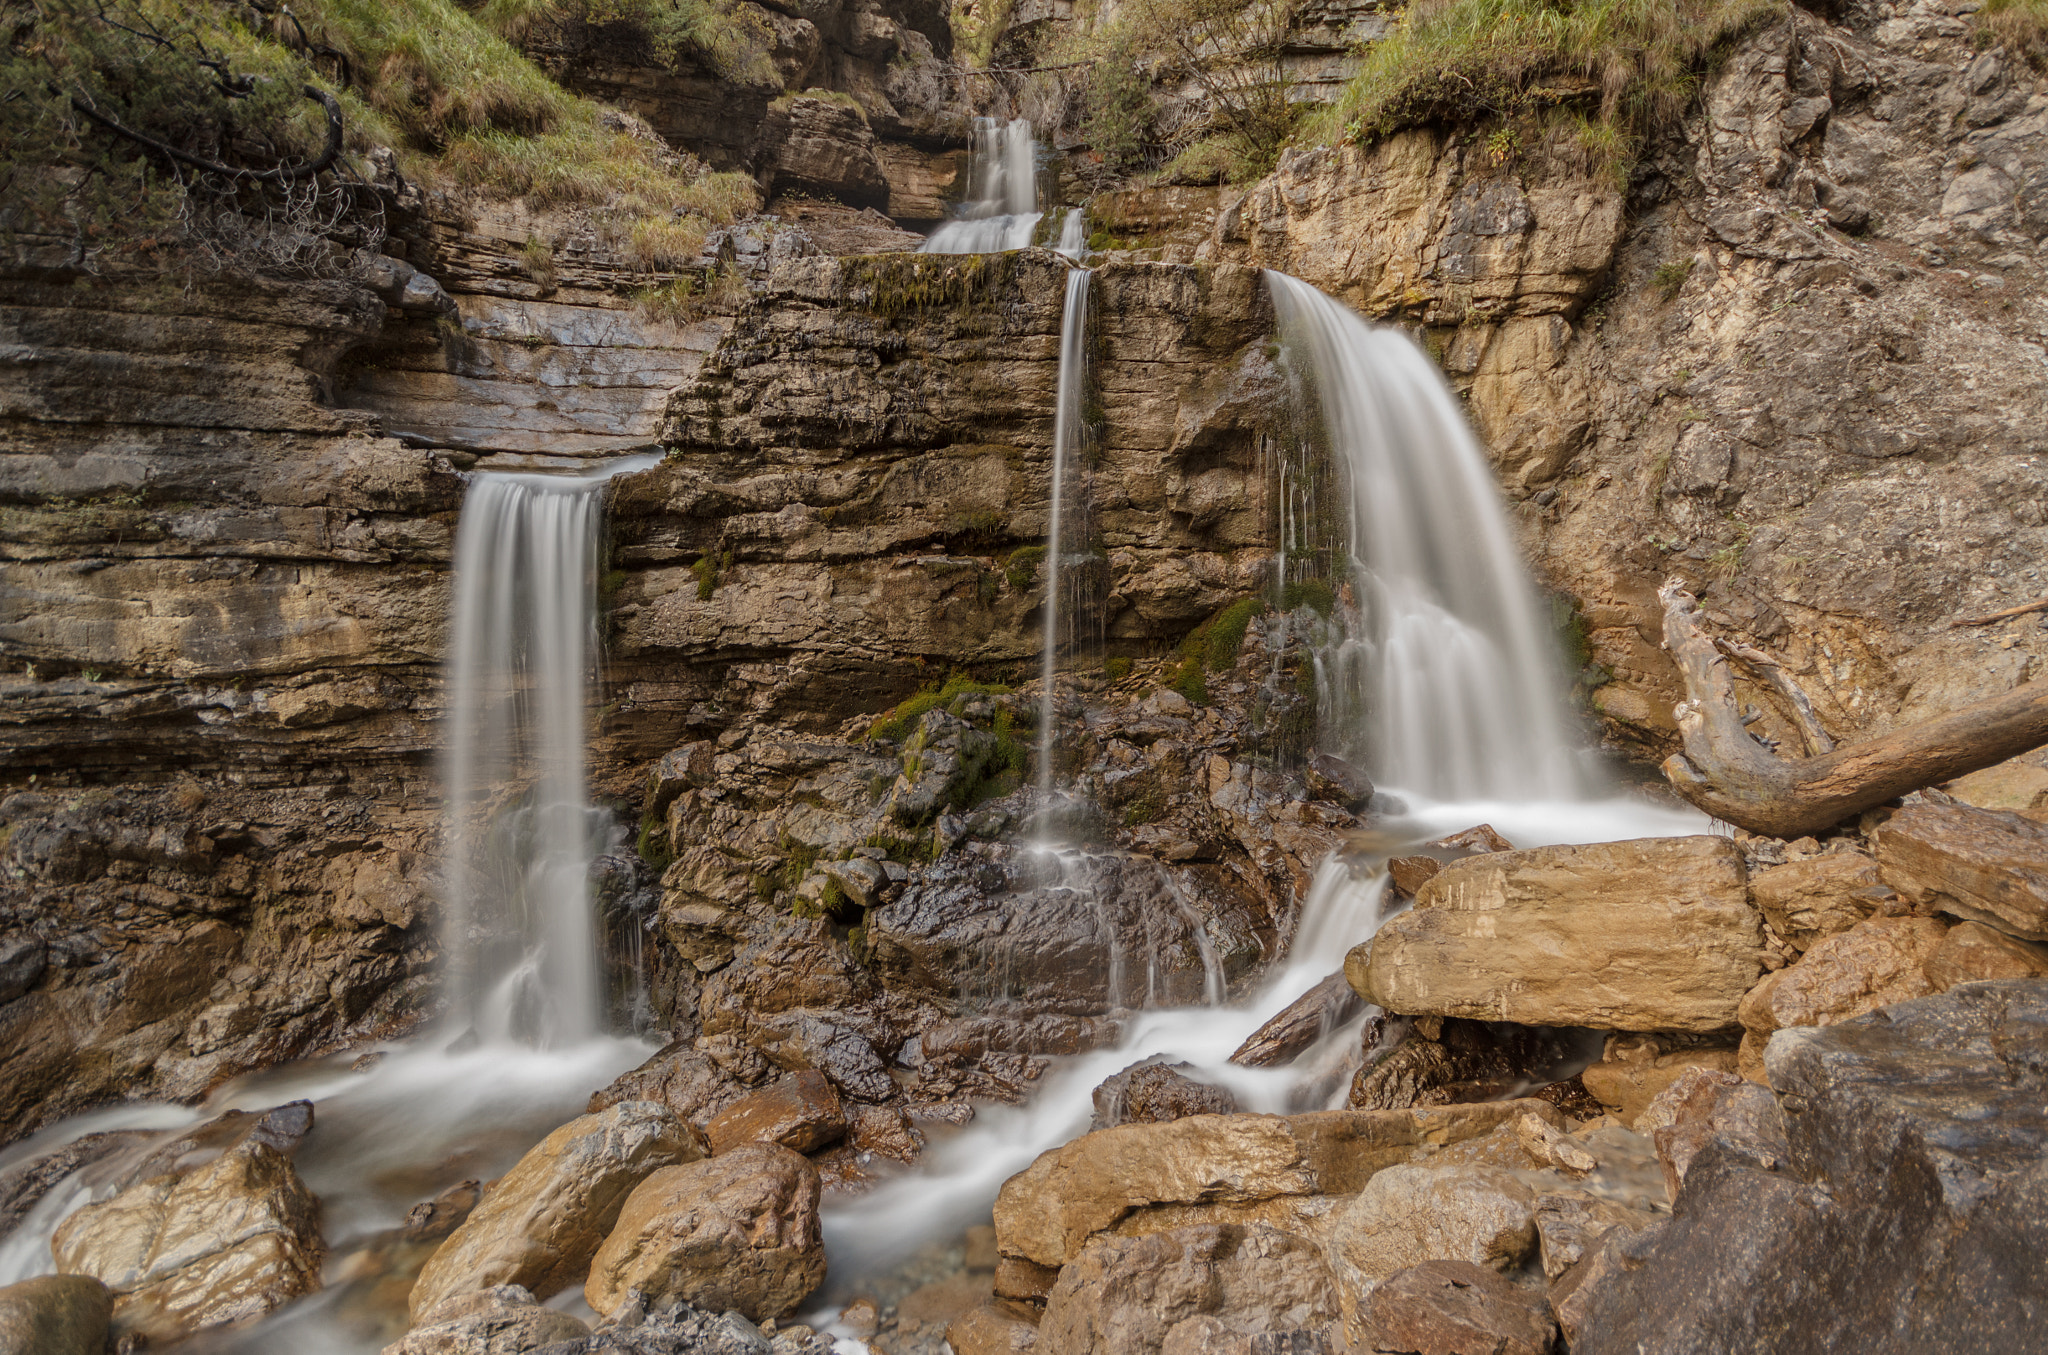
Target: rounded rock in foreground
{"type": "Point", "coordinates": [55, 1315]}
{"type": "Point", "coordinates": [737, 1231]}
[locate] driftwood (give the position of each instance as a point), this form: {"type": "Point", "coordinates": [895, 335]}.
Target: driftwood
{"type": "Point", "coordinates": [2038, 604]}
{"type": "Point", "coordinates": [1730, 773]}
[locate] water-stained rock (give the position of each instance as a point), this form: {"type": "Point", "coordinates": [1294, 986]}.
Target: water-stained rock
{"type": "Point", "coordinates": [540, 1223]}
{"type": "Point", "coordinates": [55, 1315]}
{"type": "Point", "coordinates": [1150, 1093]}
{"type": "Point", "coordinates": [680, 1076]}
{"type": "Point", "coordinates": [1442, 1061]}
{"type": "Point", "coordinates": [1451, 1308]}
{"type": "Point", "coordinates": [1654, 934]}
{"type": "Point", "coordinates": [1703, 1109]}
{"type": "Point", "coordinates": [738, 1231]}
{"type": "Point", "coordinates": [1879, 961]}
{"type": "Point", "coordinates": [800, 1112]}
{"type": "Point", "coordinates": [1300, 1024]}
{"type": "Point", "coordinates": [1634, 1068]}
{"type": "Point", "coordinates": [1187, 1290]}
{"type": "Point", "coordinates": [222, 1243]}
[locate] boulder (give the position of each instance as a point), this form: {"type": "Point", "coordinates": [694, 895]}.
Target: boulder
{"type": "Point", "coordinates": [997, 1327]}
{"type": "Point", "coordinates": [801, 1112]}
{"type": "Point", "coordinates": [1911, 1214]}
{"type": "Point", "coordinates": [1410, 1214]}
{"type": "Point", "coordinates": [1410, 873]}
{"type": "Point", "coordinates": [737, 1231]}
{"type": "Point", "coordinates": [501, 1320]}
{"type": "Point", "coordinates": [679, 1076]}
{"type": "Point", "coordinates": [1454, 1308]}
{"type": "Point", "coordinates": [1570, 1223]}
{"type": "Point", "coordinates": [1304, 1021]}
{"type": "Point", "coordinates": [55, 1315]}
{"type": "Point", "coordinates": [1152, 1093]}
{"type": "Point", "coordinates": [1655, 934]}
{"type": "Point", "coordinates": [1148, 1295]}
{"type": "Point", "coordinates": [1819, 896]}
{"type": "Point", "coordinates": [229, 1241]}
{"type": "Point", "coordinates": [1143, 1178]}
{"type": "Point", "coordinates": [1879, 961]}
{"type": "Point", "coordinates": [1634, 1068]}
{"type": "Point", "coordinates": [1332, 778]}
{"type": "Point", "coordinates": [1972, 952]}
{"type": "Point", "coordinates": [540, 1224]}
{"type": "Point", "coordinates": [1705, 1108]}
{"type": "Point", "coordinates": [1986, 865]}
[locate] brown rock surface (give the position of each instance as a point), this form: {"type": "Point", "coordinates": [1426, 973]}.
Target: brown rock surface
{"type": "Point", "coordinates": [1655, 934]}
{"type": "Point", "coordinates": [1410, 1214]}
{"type": "Point", "coordinates": [1466, 1061]}
{"type": "Point", "coordinates": [739, 1230]}
{"type": "Point", "coordinates": [55, 1315]}
{"type": "Point", "coordinates": [501, 1320]}
{"type": "Point", "coordinates": [1706, 1107]}
{"type": "Point", "coordinates": [1987, 865]}
{"type": "Point", "coordinates": [997, 1327]}
{"type": "Point", "coordinates": [1304, 1021]}
{"type": "Point", "coordinates": [540, 1223]}
{"type": "Point", "coordinates": [1972, 952]}
{"type": "Point", "coordinates": [1633, 1069]}
{"type": "Point", "coordinates": [1452, 1308]}
{"type": "Point", "coordinates": [1134, 1296]}
{"type": "Point", "coordinates": [224, 1243]}
{"type": "Point", "coordinates": [1152, 1093]}
{"type": "Point", "coordinates": [1808, 900]}
{"type": "Point", "coordinates": [1569, 1224]}
{"type": "Point", "coordinates": [1879, 961]}
{"type": "Point", "coordinates": [801, 1112]}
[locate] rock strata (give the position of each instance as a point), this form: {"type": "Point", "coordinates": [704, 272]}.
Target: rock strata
{"type": "Point", "coordinates": [1987, 865]}
{"type": "Point", "coordinates": [1656, 934]}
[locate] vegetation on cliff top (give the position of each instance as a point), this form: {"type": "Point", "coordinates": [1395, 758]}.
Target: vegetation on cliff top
{"type": "Point", "coordinates": [127, 118]}
{"type": "Point", "coordinates": [1468, 61]}
{"type": "Point", "coordinates": [2019, 26]}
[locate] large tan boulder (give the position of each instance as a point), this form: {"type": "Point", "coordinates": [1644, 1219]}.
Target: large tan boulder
{"type": "Point", "coordinates": [1808, 900]}
{"type": "Point", "coordinates": [1190, 1289]}
{"type": "Point", "coordinates": [55, 1315]}
{"type": "Point", "coordinates": [1987, 865]}
{"type": "Point", "coordinates": [1879, 961]}
{"type": "Point", "coordinates": [1281, 1170]}
{"type": "Point", "coordinates": [1410, 1214]}
{"type": "Point", "coordinates": [227, 1242]}
{"type": "Point", "coordinates": [1654, 934]}
{"type": "Point", "coordinates": [541, 1223]}
{"type": "Point", "coordinates": [737, 1231]}
{"type": "Point", "coordinates": [501, 1320]}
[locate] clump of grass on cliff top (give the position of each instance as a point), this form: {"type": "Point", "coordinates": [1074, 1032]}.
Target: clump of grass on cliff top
{"type": "Point", "coordinates": [721, 36]}
{"type": "Point", "coordinates": [2020, 26]}
{"type": "Point", "coordinates": [1467, 61]}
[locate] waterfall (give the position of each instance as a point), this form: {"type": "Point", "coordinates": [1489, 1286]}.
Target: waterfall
{"type": "Point", "coordinates": [1001, 210]}
{"type": "Point", "coordinates": [1446, 683]}
{"type": "Point", "coordinates": [1066, 432]}
{"type": "Point", "coordinates": [520, 929]}
{"type": "Point", "coordinates": [1073, 235]}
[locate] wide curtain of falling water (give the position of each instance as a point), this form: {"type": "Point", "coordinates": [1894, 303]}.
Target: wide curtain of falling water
{"type": "Point", "coordinates": [520, 938]}
{"type": "Point", "coordinates": [1001, 210]}
{"type": "Point", "coordinates": [1066, 437]}
{"type": "Point", "coordinates": [1446, 681]}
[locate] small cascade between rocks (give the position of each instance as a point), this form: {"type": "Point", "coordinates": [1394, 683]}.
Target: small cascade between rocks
{"type": "Point", "coordinates": [1001, 211]}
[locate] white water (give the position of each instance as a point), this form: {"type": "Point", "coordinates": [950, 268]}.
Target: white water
{"type": "Point", "coordinates": [1447, 682]}
{"type": "Point", "coordinates": [520, 926]}
{"type": "Point", "coordinates": [1001, 210]}
{"type": "Point", "coordinates": [1475, 734]}
{"type": "Point", "coordinates": [1073, 237]}
{"type": "Point", "coordinates": [1066, 430]}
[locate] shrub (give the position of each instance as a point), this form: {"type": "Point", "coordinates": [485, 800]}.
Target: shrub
{"type": "Point", "coordinates": [1116, 668]}
{"type": "Point", "coordinates": [2020, 26]}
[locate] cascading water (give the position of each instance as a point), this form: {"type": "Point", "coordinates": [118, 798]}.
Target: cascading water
{"type": "Point", "coordinates": [1001, 211]}
{"type": "Point", "coordinates": [1445, 684]}
{"type": "Point", "coordinates": [1066, 433]}
{"type": "Point", "coordinates": [1446, 575]}
{"type": "Point", "coordinates": [1073, 234]}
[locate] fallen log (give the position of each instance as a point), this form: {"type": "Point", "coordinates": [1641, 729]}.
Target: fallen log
{"type": "Point", "coordinates": [1731, 774]}
{"type": "Point", "coordinates": [2038, 604]}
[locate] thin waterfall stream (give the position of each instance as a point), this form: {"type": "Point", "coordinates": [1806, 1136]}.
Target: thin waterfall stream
{"type": "Point", "coordinates": [1073, 376]}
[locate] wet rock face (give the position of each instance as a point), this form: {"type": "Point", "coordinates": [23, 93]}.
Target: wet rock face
{"type": "Point", "coordinates": [224, 1243]}
{"type": "Point", "coordinates": [1443, 1061]}
{"type": "Point", "coordinates": [504, 1319]}
{"type": "Point", "coordinates": [1154, 1092]}
{"type": "Point", "coordinates": [540, 1223]}
{"type": "Point", "coordinates": [1657, 934]}
{"type": "Point", "coordinates": [1986, 865]}
{"type": "Point", "coordinates": [1905, 1217]}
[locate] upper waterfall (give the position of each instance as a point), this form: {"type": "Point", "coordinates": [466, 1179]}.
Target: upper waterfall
{"type": "Point", "coordinates": [1446, 682]}
{"type": "Point", "coordinates": [1001, 211]}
